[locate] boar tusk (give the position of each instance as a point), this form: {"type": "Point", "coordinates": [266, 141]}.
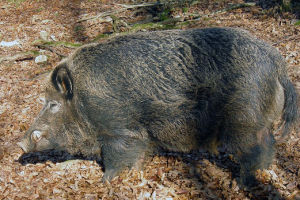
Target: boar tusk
{"type": "Point", "coordinates": [22, 146]}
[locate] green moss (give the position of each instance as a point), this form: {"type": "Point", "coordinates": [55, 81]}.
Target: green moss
{"type": "Point", "coordinates": [137, 27]}
{"type": "Point", "coordinates": [58, 43]}
{"type": "Point", "coordinates": [185, 9]}
{"type": "Point", "coordinates": [16, 2]}
{"type": "Point", "coordinates": [297, 23]}
{"type": "Point", "coordinates": [186, 23]}
{"type": "Point", "coordinates": [286, 7]}
{"type": "Point", "coordinates": [39, 9]}
{"type": "Point", "coordinates": [114, 17]}
{"type": "Point", "coordinates": [164, 15]}
{"type": "Point", "coordinates": [78, 28]}
{"type": "Point", "coordinates": [101, 36]}
{"type": "Point", "coordinates": [206, 18]}
{"type": "Point", "coordinates": [155, 26]}
{"type": "Point", "coordinates": [168, 26]}
{"type": "Point", "coordinates": [34, 53]}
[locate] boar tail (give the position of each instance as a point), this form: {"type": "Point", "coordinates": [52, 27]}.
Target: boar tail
{"type": "Point", "coordinates": [290, 115]}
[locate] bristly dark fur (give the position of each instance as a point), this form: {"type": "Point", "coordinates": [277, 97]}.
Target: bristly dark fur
{"type": "Point", "coordinates": [174, 90]}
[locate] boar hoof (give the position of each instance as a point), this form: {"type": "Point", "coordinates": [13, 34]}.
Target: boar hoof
{"type": "Point", "coordinates": [248, 181]}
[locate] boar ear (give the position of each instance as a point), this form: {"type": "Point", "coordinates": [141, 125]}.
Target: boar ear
{"type": "Point", "coordinates": [62, 81]}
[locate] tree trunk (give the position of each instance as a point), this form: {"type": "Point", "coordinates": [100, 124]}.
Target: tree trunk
{"type": "Point", "coordinates": [295, 6]}
{"type": "Point", "coordinates": [267, 4]}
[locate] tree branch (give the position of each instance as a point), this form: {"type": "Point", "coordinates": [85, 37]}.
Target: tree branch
{"type": "Point", "coordinates": [125, 7]}
{"type": "Point", "coordinates": [18, 57]}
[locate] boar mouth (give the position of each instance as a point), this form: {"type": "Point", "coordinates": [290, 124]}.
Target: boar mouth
{"type": "Point", "coordinates": [23, 146]}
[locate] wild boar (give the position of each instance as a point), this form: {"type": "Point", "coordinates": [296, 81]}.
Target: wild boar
{"type": "Point", "coordinates": [130, 96]}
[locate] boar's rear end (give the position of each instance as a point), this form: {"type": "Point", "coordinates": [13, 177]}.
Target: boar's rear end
{"type": "Point", "coordinates": [168, 90]}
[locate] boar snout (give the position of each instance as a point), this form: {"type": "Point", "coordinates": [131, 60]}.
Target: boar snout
{"type": "Point", "coordinates": [28, 143]}
{"type": "Point", "coordinates": [23, 144]}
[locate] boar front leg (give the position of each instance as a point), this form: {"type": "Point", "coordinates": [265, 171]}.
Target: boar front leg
{"type": "Point", "coordinates": [123, 150]}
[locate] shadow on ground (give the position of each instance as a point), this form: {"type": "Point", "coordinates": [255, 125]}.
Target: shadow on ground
{"type": "Point", "coordinates": [225, 162]}
{"type": "Point", "coordinates": [194, 161]}
{"type": "Point", "coordinates": [53, 156]}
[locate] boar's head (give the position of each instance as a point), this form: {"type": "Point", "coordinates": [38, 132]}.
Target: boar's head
{"type": "Point", "coordinates": [50, 128]}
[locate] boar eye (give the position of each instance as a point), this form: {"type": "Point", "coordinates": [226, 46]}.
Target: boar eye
{"type": "Point", "coordinates": [36, 136]}
{"type": "Point", "coordinates": [54, 106]}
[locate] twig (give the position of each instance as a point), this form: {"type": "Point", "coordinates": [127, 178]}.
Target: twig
{"type": "Point", "coordinates": [17, 57]}
{"type": "Point", "coordinates": [139, 5]}
{"type": "Point", "coordinates": [292, 37]}
{"type": "Point", "coordinates": [40, 75]}
{"type": "Point", "coordinates": [236, 6]}
{"type": "Point", "coordinates": [45, 47]}
{"type": "Point", "coordinates": [125, 7]}
{"type": "Point", "coordinates": [233, 7]}
{"type": "Point", "coordinates": [101, 15]}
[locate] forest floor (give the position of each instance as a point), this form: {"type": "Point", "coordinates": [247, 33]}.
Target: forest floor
{"type": "Point", "coordinates": [30, 28]}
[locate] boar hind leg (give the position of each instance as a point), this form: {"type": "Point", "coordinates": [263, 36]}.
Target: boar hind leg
{"type": "Point", "coordinates": [120, 152]}
{"type": "Point", "coordinates": [253, 149]}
